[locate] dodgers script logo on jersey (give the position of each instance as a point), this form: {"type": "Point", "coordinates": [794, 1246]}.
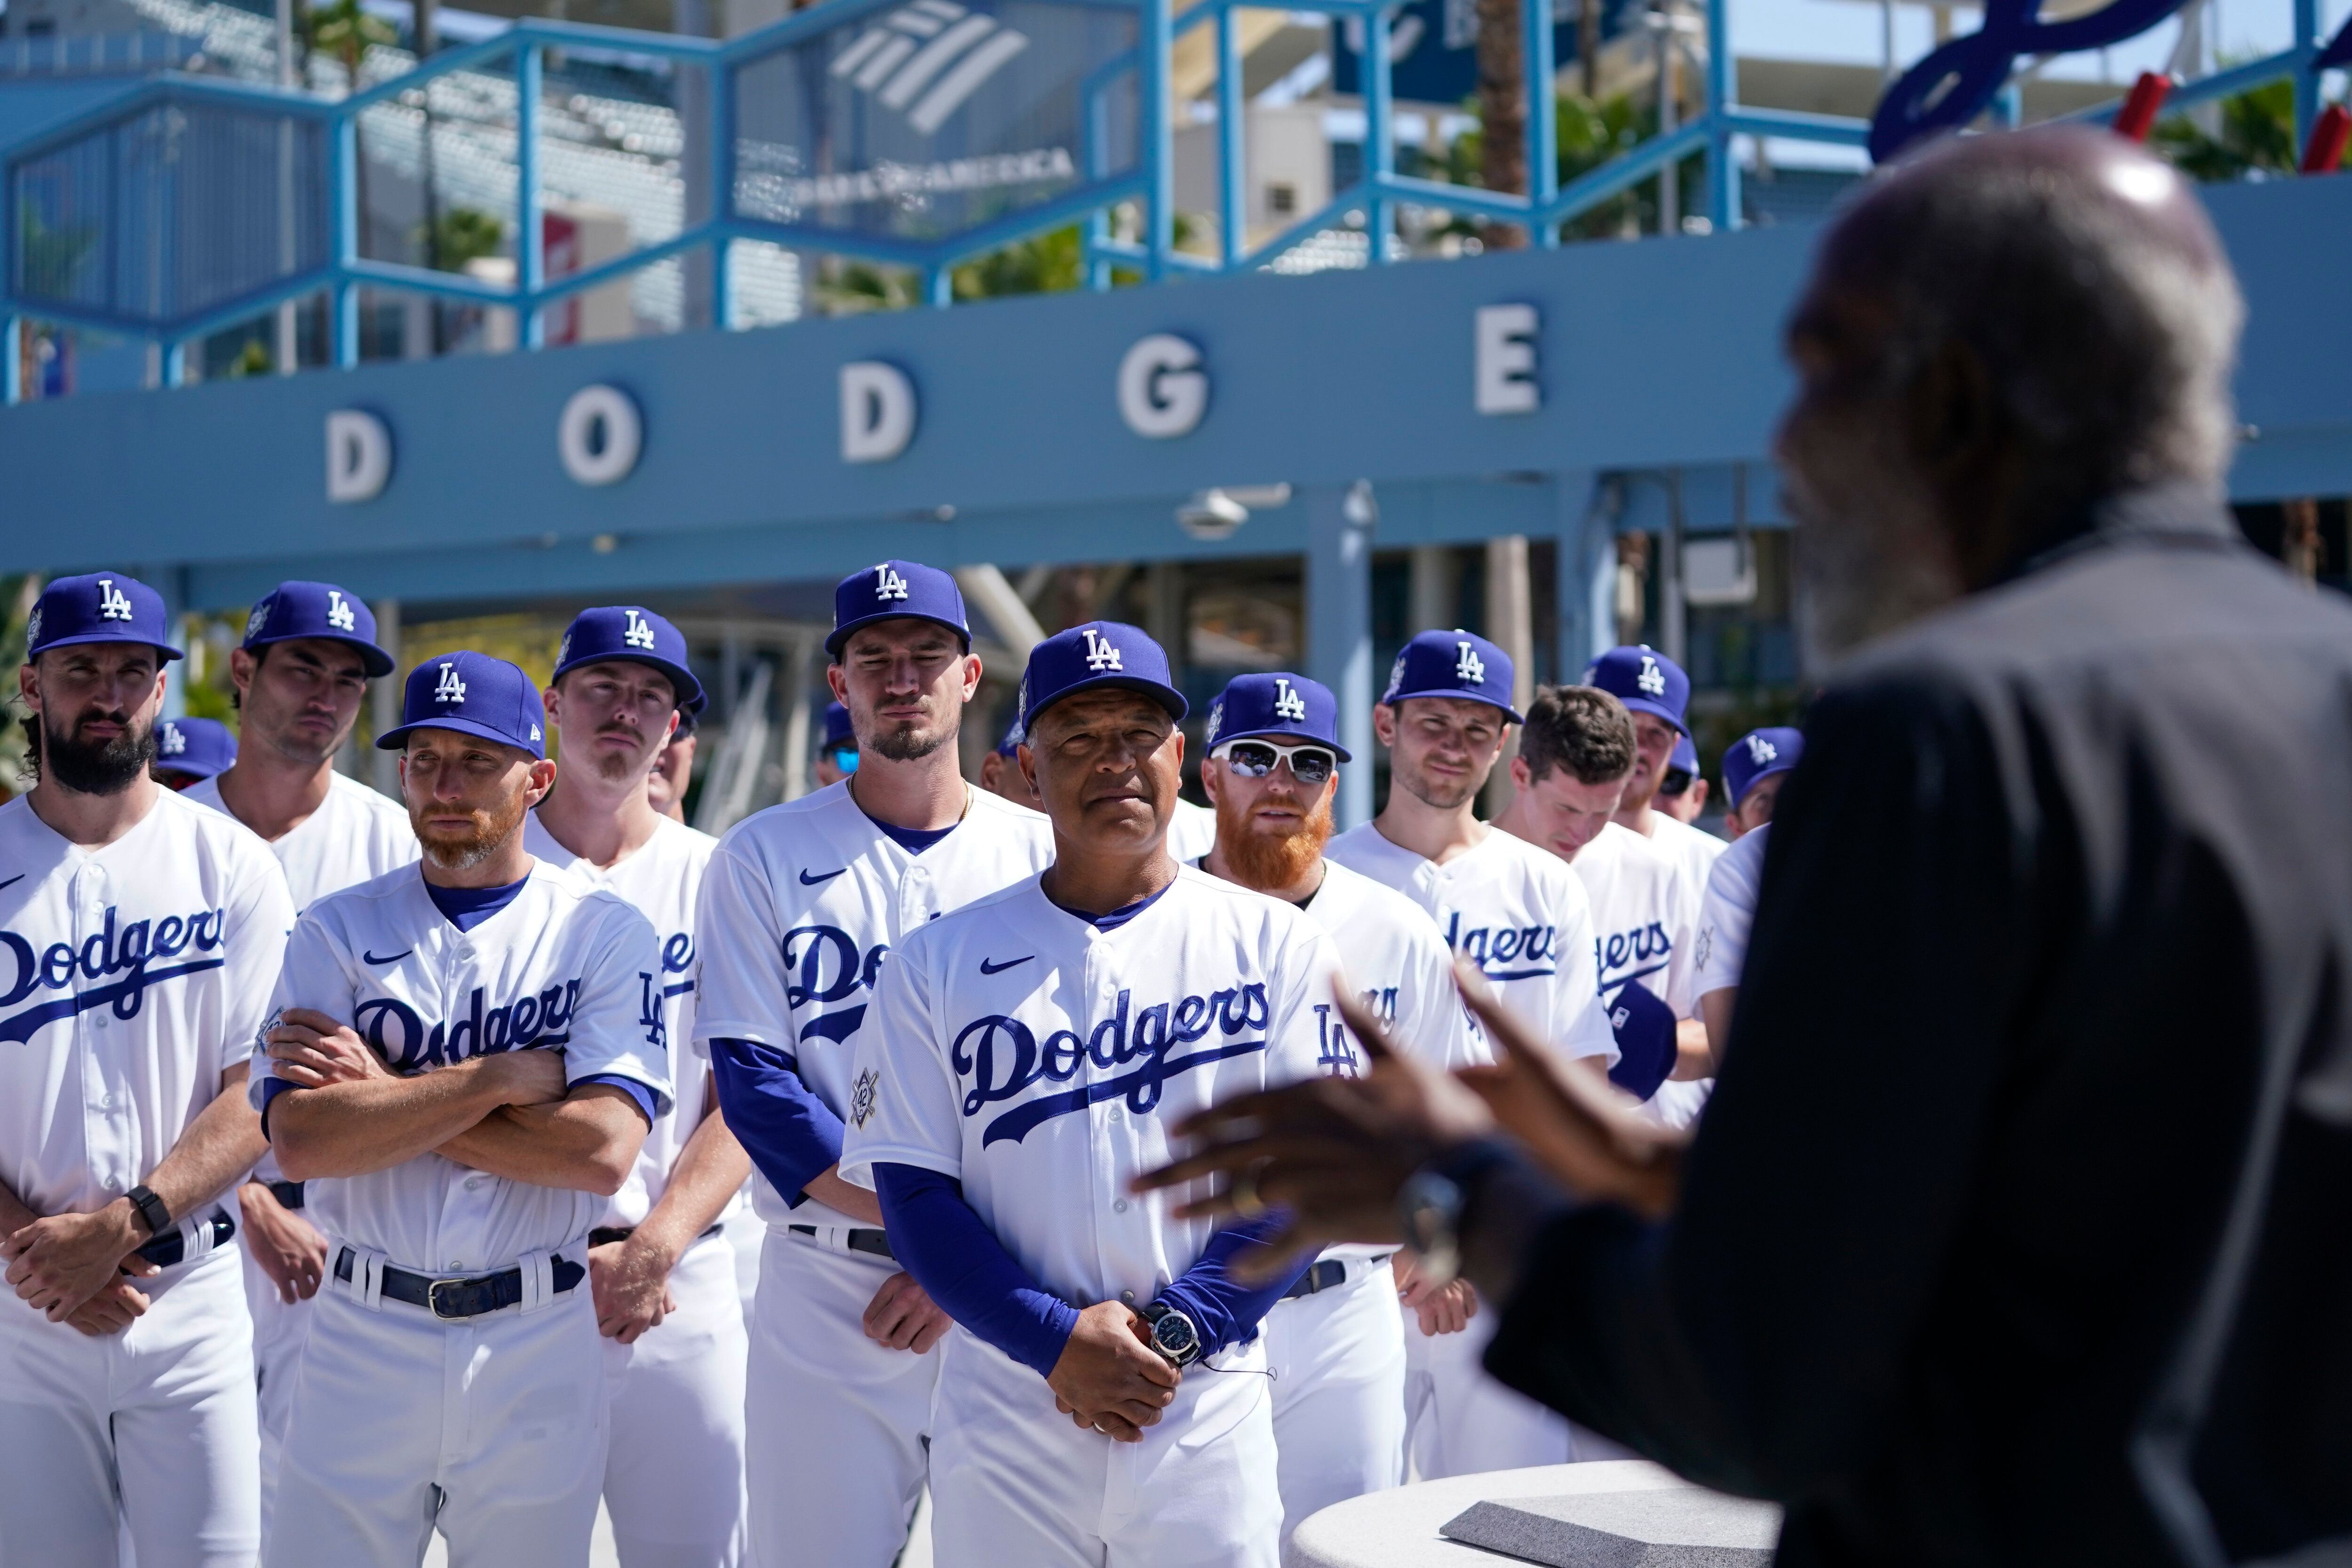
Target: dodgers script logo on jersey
{"type": "Point", "coordinates": [829, 969]}
{"type": "Point", "coordinates": [539, 1019]}
{"type": "Point", "coordinates": [1334, 1049]}
{"type": "Point", "coordinates": [1632, 954]}
{"type": "Point", "coordinates": [109, 952]}
{"type": "Point", "coordinates": [1001, 1059]}
{"type": "Point", "coordinates": [1532, 948]}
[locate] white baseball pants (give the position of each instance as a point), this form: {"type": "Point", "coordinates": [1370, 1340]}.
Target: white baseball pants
{"type": "Point", "coordinates": [1458, 1420]}
{"type": "Point", "coordinates": [278, 1330]}
{"type": "Point", "coordinates": [673, 1472]}
{"type": "Point", "coordinates": [1337, 1358]}
{"type": "Point", "coordinates": [491, 1428]}
{"type": "Point", "coordinates": [1017, 1484]}
{"type": "Point", "coordinates": [835, 1427]}
{"type": "Point", "coordinates": [148, 1434]}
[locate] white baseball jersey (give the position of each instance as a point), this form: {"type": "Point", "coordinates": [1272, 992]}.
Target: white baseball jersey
{"type": "Point", "coordinates": [1728, 913]}
{"type": "Point", "coordinates": [1516, 911]}
{"type": "Point", "coordinates": [130, 978]}
{"type": "Point", "coordinates": [564, 964]}
{"type": "Point", "coordinates": [661, 882]}
{"type": "Point", "coordinates": [801, 904]}
{"type": "Point", "coordinates": [354, 835]}
{"type": "Point", "coordinates": [1395, 959]}
{"type": "Point", "coordinates": [1042, 1062]}
{"type": "Point", "coordinates": [1645, 912]}
{"type": "Point", "coordinates": [1191, 831]}
{"type": "Point", "coordinates": [1694, 846]}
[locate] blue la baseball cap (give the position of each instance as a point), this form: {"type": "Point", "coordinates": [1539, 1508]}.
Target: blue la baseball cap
{"type": "Point", "coordinates": [293, 610]}
{"type": "Point", "coordinates": [1686, 757]}
{"type": "Point", "coordinates": [839, 731]}
{"type": "Point", "coordinates": [473, 694]}
{"type": "Point", "coordinates": [637, 635]}
{"type": "Point", "coordinates": [98, 607]}
{"type": "Point", "coordinates": [1645, 681]}
{"type": "Point", "coordinates": [1645, 1028]}
{"type": "Point", "coordinates": [892, 590]}
{"type": "Point", "coordinates": [1100, 653]}
{"type": "Point", "coordinates": [1760, 753]}
{"type": "Point", "coordinates": [1453, 664]}
{"type": "Point", "coordinates": [1290, 705]}
{"type": "Point", "coordinates": [1010, 745]}
{"type": "Point", "coordinates": [200, 747]}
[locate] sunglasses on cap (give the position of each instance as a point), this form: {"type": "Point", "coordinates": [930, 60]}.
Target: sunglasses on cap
{"type": "Point", "coordinates": [1256, 759]}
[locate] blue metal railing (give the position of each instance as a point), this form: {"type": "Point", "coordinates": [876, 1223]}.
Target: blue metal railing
{"type": "Point", "coordinates": [1370, 204]}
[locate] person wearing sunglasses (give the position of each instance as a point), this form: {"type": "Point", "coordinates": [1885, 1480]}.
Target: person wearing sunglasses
{"type": "Point", "coordinates": [836, 756]}
{"type": "Point", "coordinates": [1336, 1342]}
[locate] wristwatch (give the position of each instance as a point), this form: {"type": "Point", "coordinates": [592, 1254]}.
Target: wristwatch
{"type": "Point", "coordinates": [1173, 1334]}
{"type": "Point", "coordinates": [1429, 1208]}
{"type": "Point", "coordinates": [152, 1209]}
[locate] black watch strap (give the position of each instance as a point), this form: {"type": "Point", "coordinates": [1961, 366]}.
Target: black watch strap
{"type": "Point", "coordinates": [152, 1209]}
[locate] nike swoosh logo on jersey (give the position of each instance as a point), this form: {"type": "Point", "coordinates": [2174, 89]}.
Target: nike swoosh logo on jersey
{"type": "Point", "coordinates": [388, 958]}
{"type": "Point", "coordinates": [13, 880]}
{"type": "Point", "coordinates": [988, 968]}
{"type": "Point", "coordinates": [809, 881]}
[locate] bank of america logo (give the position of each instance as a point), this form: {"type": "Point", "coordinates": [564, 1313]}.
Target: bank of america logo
{"type": "Point", "coordinates": [932, 54]}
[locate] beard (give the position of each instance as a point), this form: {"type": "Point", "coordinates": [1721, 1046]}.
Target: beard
{"type": "Point", "coordinates": [1266, 860]}
{"type": "Point", "coordinates": [96, 767]}
{"type": "Point", "coordinates": [481, 838]}
{"type": "Point", "coordinates": [908, 742]}
{"type": "Point", "coordinates": [624, 767]}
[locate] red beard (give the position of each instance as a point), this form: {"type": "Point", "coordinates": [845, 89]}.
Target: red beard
{"type": "Point", "coordinates": [1264, 860]}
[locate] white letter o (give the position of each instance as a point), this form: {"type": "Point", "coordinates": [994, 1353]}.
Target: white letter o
{"type": "Point", "coordinates": [358, 454]}
{"type": "Point", "coordinates": [591, 409]}
{"type": "Point", "coordinates": [1163, 391]}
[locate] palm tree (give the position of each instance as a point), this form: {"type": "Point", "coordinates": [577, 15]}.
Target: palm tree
{"type": "Point", "coordinates": [345, 32]}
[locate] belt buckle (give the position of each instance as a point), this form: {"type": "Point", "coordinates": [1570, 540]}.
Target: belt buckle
{"type": "Point", "coordinates": [433, 1297]}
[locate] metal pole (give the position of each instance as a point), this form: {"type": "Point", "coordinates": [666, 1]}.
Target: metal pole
{"type": "Point", "coordinates": [1722, 93]}
{"type": "Point", "coordinates": [12, 360]}
{"type": "Point", "coordinates": [1543, 120]}
{"type": "Point", "coordinates": [1670, 193]}
{"type": "Point", "coordinates": [530, 244]}
{"type": "Point", "coordinates": [1339, 629]}
{"type": "Point", "coordinates": [384, 696]}
{"type": "Point", "coordinates": [175, 363]}
{"type": "Point", "coordinates": [1584, 570]}
{"type": "Point", "coordinates": [342, 197]}
{"type": "Point", "coordinates": [1159, 137]}
{"type": "Point", "coordinates": [1379, 142]}
{"type": "Point", "coordinates": [1232, 152]}
{"type": "Point", "coordinates": [289, 339]}
{"type": "Point", "coordinates": [721, 78]}
{"type": "Point", "coordinates": [2306, 81]}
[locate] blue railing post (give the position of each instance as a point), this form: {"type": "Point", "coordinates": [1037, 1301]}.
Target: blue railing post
{"type": "Point", "coordinates": [1233, 149]}
{"type": "Point", "coordinates": [1722, 92]}
{"type": "Point", "coordinates": [1159, 136]}
{"type": "Point", "coordinates": [530, 240]}
{"type": "Point", "coordinates": [1543, 115]}
{"type": "Point", "coordinates": [1380, 139]}
{"type": "Point", "coordinates": [12, 360]}
{"type": "Point", "coordinates": [721, 89]}
{"type": "Point", "coordinates": [939, 285]}
{"type": "Point", "coordinates": [342, 210]}
{"type": "Point", "coordinates": [176, 363]}
{"type": "Point", "coordinates": [2307, 80]}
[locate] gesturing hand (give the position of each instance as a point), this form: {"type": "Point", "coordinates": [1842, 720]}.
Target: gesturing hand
{"type": "Point", "coordinates": [312, 1050]}
{"type": "Point", "coordinates": [1332, 1150]}
{"type": "Point", "coordinates": [903, 1317]}
{"type": "Point", "coordinates": [1108, 1377]}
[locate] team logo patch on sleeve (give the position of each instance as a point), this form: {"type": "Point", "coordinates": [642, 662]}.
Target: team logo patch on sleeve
{"type": "Point", "coordinates": [861, 1097]}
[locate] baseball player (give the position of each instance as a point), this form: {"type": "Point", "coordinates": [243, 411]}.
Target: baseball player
{"type": "Point", "coordinates": [1001, 774]}
{"type": "Point", "coordinates": [188, 751]}
{"type": "Point", "coordinates": [836, 754]}
{"type": "Point", "coordinates": [1336, 1342]}
{"type": "Point", "coordinates": [299, 677]}
{"type": "Point", "coordinates": [1682, 791]}
{"type": "Point", "coordinates": [1191, 831]}
{"type": "Point", "coordinates": [1752, 774]}
{"type": "Point", "coordinates": [1656, 692]}
{"type": "Point", "coordinates": [138, 938]}
{"type": "Point", "coordinates": [1726, 918]}
{"type": "Point", "coordinates": [1105, 1398]}
{"type": "Point", "coordinates": [661, 1273]}
{"type": "Point", "coordinates": [1576, 752]}
{"type": "Point", "coordinates": [1524, 919]}
{"type": "Point", "coordinates": [674, 770]}
{"type": "Point", "coordinates": [801, 906]}
{"type": "Point", "coordinates": [474, 1049]}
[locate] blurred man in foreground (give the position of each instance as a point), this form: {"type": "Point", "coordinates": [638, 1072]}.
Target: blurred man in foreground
{"type": "Point", "coordinates": [2059, 1279]}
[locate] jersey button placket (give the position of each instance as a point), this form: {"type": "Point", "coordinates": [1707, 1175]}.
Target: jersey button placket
{"type": "Point", "coordinates": [106, 1140]}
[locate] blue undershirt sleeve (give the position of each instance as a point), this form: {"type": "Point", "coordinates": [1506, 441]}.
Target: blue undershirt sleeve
{"type": "Point", "coordinates": [1224, 1309]}
{"type": "Point", "coordinates": [965, 1269]}
{"type": "Point", "coordinates": [629, 1086]}
{"type": "Point", "coordinates": [791, 1135]}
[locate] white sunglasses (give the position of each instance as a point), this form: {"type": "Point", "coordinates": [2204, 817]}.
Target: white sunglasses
{"type": "Point", "coordinates": [1254, 759]}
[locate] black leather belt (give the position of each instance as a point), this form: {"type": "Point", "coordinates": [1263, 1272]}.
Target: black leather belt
{"type": "Point", "coordinates": [1327, 1275]}
{"type": "Point", "coordinates": [461, 1298]}
{"type": "Point", "coordinates": [172, 1246]}
{"type": "Point", "coordinates": [605, 1234]}
{"type": "Point", "coordinates": [873, 1241]}
{"type": "Point", "coordinates": [287, 1193]}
